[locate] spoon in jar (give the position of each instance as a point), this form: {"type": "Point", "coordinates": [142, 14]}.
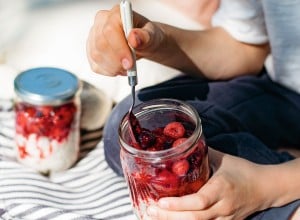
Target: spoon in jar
{"type": "Point", "coordinates": [126, 16]}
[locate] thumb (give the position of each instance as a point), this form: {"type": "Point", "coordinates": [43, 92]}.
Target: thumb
{"type": "Point", "coordinates": [140, 39]}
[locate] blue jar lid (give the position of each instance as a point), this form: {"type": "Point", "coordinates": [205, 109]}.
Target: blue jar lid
{"type": "Point", "coordinates": [46, 86]}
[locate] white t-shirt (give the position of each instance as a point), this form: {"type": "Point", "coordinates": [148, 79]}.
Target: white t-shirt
{"type": "Point", "coordinates": [273, 21]}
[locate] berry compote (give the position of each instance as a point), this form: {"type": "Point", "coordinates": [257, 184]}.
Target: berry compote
{"type": "Point", "coordinates": [169, 156]}
{"type": "Point", "coordinates": [47, 116]}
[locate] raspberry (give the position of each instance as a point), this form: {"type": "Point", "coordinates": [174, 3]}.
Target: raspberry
{"type": "Point", "coordinates": [174, 129]}
{"type": "Point", "coordinates": [178, 142]}
{"type": "Point", "coordinates": [54, 122]}
{"type": "Point", "coordinates": [166, 180]}
{"type": "Point", "coordinates": [45, 111]}
{"type": "Point", "coordinates": [21, 121]}
{"type": "Point", "coordinates": [163, 142]}
{"type": "Point", "coordinates": [181, 167]}
{"type": "Point", "coordinates": [22, 152]}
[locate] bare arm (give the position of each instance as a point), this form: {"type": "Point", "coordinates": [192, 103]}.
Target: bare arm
{"type": "Point", "coordinates": [281, 182]}
{"type": "Point", "coordinates": [211, 53]}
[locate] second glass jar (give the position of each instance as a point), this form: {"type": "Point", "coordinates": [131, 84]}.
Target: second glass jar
{"type": "Point", "coordinates": [47, 119]}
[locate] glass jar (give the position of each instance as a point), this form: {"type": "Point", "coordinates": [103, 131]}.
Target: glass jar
{"type": "Point", "coordinates": [164, 164]}
{"type": "Point", "coordinates": [47, 119]}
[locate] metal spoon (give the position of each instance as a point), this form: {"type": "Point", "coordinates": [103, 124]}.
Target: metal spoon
{"type": "Point", "coordinates": [127, 21]}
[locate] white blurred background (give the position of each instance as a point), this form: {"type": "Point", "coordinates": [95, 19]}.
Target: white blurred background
{"type": "Point", "coordinates": [36, 33]}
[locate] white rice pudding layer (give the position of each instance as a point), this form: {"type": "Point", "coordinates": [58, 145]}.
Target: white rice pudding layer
{"type": "Point", "coordinates": [45, 155]}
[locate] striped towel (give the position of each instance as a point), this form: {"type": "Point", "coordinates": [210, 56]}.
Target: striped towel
{"type": "Point", "coordinates": [89, 190]}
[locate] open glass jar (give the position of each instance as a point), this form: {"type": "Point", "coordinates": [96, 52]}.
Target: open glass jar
{"type": "Point", "coordinates": [47, 119]}
{"type": "Point", "coordinates": [171, 158]}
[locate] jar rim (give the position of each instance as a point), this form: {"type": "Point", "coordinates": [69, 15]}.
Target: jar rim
{"type": "Point", "coordinates": [162, 154]}
{"type": "Point", "coordinates": [46, 86]}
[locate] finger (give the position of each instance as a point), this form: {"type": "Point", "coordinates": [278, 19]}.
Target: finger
{"type": "Point", "coordinates": [102, 59]}
{"type": "Point", "coordinates": [148, 40]}
{"type": "Point", "coordinates": [207, 196]}
{"type": "Point", "coordinates": [114, 34]}
{"type": "Point", "coordinates": [217, 211]}
{"type": "Point", "coordinates": [139, 39]}
{"type": "Point", "coordinates": [191, 202]}
{"type": "Point", "coordinates": [95, 58]}
{"type": "Point", "coordinates": [108, 40]}
{"type": "Point", "coordinates": [156, 213]}
{"type": "Point", "coordinates": [91, 54]}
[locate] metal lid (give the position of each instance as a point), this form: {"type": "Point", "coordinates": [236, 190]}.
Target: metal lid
{"type": "Point", "coordinates": [46, 85]}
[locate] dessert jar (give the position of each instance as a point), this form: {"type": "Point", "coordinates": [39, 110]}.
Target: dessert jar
{"type": "Point", "coordinates": [171, 158]}
{"type": "Point", "coordinates": [47, 118]}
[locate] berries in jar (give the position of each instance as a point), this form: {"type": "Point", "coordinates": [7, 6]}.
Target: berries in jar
{"type": "Point", "coordinates": [169, 157]}
{"type": "Point", "coordinates": [47, 119]}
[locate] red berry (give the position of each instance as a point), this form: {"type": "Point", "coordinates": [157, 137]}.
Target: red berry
{"type": "Point", "coordinates": [175, 130]}
{"type": "Point", "coordinates": [45, 111]}
{"type": "Point", "coordinates": [22, 152]}
{"type": "Point", "coordinates": [65, 118]}
{"type": "Point", "coordinates": [181, 167]}
{"type": "Point", "coordinates": [53, 122]}
{"type": "Point", "coordinates": [21, 121]}
{"type": "Point", "coordinates": [146, 139]}
{"type": "Point", "coordinates": [158, 131]}
{"type": "Point", "coordinates": [195, 158]}
{"type": "Point", "coordinates": [178, 142]}
{"type": "Point", "coordinates": [166, 180]}
{"type": "Point", "coordinates": [30, 112]}
{"type": "Point", "coordinates": [163, 142]}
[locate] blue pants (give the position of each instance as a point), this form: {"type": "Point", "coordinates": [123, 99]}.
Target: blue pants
{"type": "Point", "coordinates": [249, 117]}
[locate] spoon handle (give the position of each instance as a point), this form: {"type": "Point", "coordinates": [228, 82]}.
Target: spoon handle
{"type": "Point", "coordinates": [127, 21]}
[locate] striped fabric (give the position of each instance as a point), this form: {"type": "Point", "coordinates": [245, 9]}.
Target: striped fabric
{"type": "Point", "coordinates": [89, 190]}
